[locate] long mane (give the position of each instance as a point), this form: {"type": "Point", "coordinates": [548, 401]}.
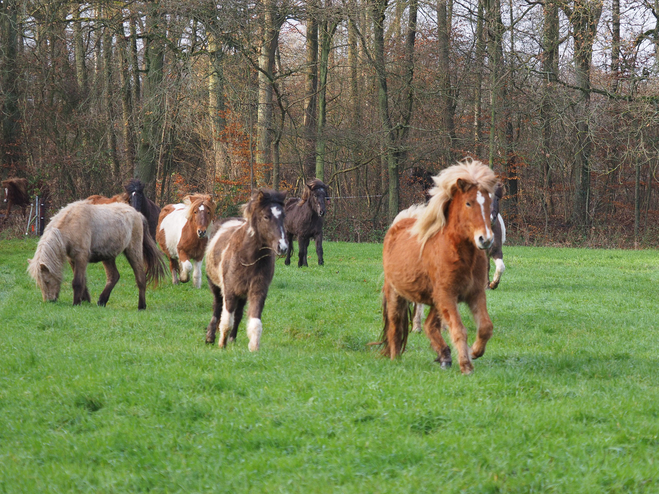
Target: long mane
{"type": "Point", "coordinates": [50, 253]}
{"type": "Point", "coordinates": [432, 219]}
{"type": "Point", "coordinates": [311, 186]}
{"type": "Point", "coordinates": [198, 199]}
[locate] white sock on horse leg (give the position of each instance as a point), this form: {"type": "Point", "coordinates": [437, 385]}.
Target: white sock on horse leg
{"type": "Point", "coordinates": [186, 267]}
{"type": "Point", "coordinates": [226, 323]}
{"type": "Point", "coordinates": [254, 330]}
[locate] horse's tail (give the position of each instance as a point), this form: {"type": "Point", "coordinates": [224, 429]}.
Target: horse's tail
{"type": "Point", "coordinates": [402, 333]}
{"type": "Point", "coordinates": [154, 262]}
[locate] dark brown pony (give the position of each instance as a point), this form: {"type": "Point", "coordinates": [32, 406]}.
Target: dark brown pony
{"type": "Point", "coordinates": [16, 194]}
{"type": "Point", "coordinates": [437, 258]}
{"type": "Point", "coordinates": [150, 210]}
{"type": "Point", "coordinates": [240, 264]}
{"type": "Point", "coordinates": [304, 220]}
{"type": "Point", "coordinates": [181, 234]}
{"type": "Point", "coordinates": [82, 233]}
{"type": "Point", "coordinates": [98, 199]}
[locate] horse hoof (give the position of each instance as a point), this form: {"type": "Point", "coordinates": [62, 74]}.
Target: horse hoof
{"type": "Point", "coordinates": [446, 365]}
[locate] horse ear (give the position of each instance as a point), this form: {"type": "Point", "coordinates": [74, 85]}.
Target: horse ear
{"type": "Point", "coordinates": [463, 185]}
{"type": "Point", "coordinates": [44, 268]}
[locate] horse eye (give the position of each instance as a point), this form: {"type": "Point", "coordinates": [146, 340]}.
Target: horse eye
{"type": "Point", "coordinates": [468, 204]}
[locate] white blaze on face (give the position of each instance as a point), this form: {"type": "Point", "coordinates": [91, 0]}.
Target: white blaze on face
{"type": "Point", "coordinates": [201, 208]}
{"type": "Point", "coordinates": [503, 230]}
{"type": "Point", "coordinates": [6, 194]}
{"type": "Point", "coordinates": [283, 244]}
{"type": "Point", "coordinates": [480, 199]}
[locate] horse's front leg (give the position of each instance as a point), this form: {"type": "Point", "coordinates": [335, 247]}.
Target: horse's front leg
{"type": "Point", "coordinates": [136, 261]}
{"type": "Point", "coordinates": [303, 245]}
{"type": "Point", "coordinates": [227, 319]}
{"type": "Point", "coordinates": [237, 318]}
{"type": "Point", "coordinates": [173, 267]}
{"type": "Point", "coordinates": [196, 276]}
{"type": "Point", "coordinates": [451, 316]}
{"type": "Point", "coordinates": [417, 324]}
{"type": "Point", "coordinates": [111, 277]}
{"type": "Point", "coordinates": [433, 330]}
{"type": "Point", "coordinates": [319, 248]}
{"type": "Point", "coordinates": [79, 284]}
{"type": "Point", "coordinates": [256, 299]}
{"type": "Point", "coordinates": [500, 268]}
{"type": "Point", "coordinates": [217, 312]}
{"type": "Point", "coordinates": [289, 237]}
{"type": "Point", "coordinates": [478, 308]}
{"type": "Point", "coordinates": [186, 266]}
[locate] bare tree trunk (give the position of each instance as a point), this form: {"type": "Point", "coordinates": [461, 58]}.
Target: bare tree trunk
{"type": "Point", "coordinates": [615, 43]}
{"type": "Point", "coordinates": [10, 146]}
{"type": "Point", "coordinates": [310, 89]}
{"type": "Point", "coordinates": [479, 65]}
{"type": "Point", "coordinates": [146, 165]}
{"type": "Point", "coordinates": [550, 75]}
{"type": "Point", "coordinates": [355, 96]}
{"type": "Point", "coordinates": [126, 104]}
{"type": "Point", "coordinates": [327, 29]}
{"type": "Point", "coordinates": [495, 55]}
{"type": "Point", "coordinates": [444, 69]}
{"type": "Point", "coordinates": [584, 18]}
{"type": "Point", "coordinates": [79, 51]}
{"type": "Point", "coordinates": [216, 106]}
{"type": "Point", "coordinates": [107, 97]}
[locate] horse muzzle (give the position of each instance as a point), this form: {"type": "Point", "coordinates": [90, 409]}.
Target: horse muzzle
{"type": "Point", "coordinates": [201, 233]}
{"type": "Point", "coordinates": [282, 247]}
{"type": "Point", "coordinates": [483, 242]}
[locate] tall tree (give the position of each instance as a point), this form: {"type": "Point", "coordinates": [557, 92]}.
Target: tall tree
{"type": "Point", "coordinates": [446, 106]}
{"type": "Point", "coordinates": [584, 16]}
{"type": "Point", "coordinates": [310, 89]}
{"type": "Point", "coordinates": [9, 77]}
{"type": "Point", "coordinates": [146, 166]}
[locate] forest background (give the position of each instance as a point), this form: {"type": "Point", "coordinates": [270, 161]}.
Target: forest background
{"type": "Point", "coordinates": [560, 97]}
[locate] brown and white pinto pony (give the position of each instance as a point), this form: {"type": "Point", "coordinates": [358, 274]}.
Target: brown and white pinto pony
{"type": "Point", "coordinates": [240, 264]}
{"type": "Point", "coordinates": [182, 235]}
{"type": "Point", "coordinates": [437, 257]}
{"type": "Point", "coordinates": [82, 233]}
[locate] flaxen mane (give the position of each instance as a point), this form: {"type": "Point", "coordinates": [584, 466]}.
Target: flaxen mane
{"type": "Point", "coordinates": [433, 217]}
{"type": "Point", "coordinates": [198, 199]}
{"type": "Point", "coordinates": [51, 252]}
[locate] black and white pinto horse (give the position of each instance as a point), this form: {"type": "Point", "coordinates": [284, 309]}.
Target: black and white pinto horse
{"type": "Point", "coordinates": [304, 220]}
{"type": "Point", "coordinates": [150, 210]}
{"type": "Point", "coordinates": [494, 252]}
{"type": "Point", "coordinates": [240, 264]}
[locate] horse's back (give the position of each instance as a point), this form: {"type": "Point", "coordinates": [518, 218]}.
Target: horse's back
{"type": "Point", "coordinates": [218, 247]}
{"type": "Point", "coordinates": [170, 225]}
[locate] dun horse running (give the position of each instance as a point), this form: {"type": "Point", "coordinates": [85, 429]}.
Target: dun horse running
{"type": "Point", "coordinates": [181, 234]}
{"type": "Point", "coordinates": [304, 220]}
{"type": "Point", "coordinates": [240, 264]}
{"type": "Point", "coordinates": [150, 210]}
{"type": "Point", "coordinates": [82, 233]}
{"type": "Point", "coordinates": [437, 257]}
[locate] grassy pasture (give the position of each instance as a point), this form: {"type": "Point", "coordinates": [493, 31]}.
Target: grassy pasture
{"type": "Point", "coordinates": [566, 398]}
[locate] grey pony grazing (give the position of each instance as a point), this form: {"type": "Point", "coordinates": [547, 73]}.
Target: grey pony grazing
{"type": "Point", "coordinates": [304, 220]}
{"type": "Point", "coordinates": [150, 210]}
{"type": "Point", "coordinates": [82, 233]}
{"type": "Point", "coordinates": [240, 264]}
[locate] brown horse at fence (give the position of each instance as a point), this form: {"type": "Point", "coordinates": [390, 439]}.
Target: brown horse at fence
{"type": "Point", "coordinates": [99, 199]}
{"type": "Point", "coordinates": [438, 258]}
{"type": "Point", "coordinates": [182, 235]}
{"type": "Point", "coordinates": [16, 194]}
{"type": "Point", "coordinates": [82, 233]}
{"type": "Point", "coordinates": [240, 264]}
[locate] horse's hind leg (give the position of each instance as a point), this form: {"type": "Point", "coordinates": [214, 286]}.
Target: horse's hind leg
{"type": "Point", "coordinates": [227, 319]}
{"type": "Point", "coordinates": [395, 322]}
{"type": "Point", "coordinates": [303, 245]}
{"type": "Point", "coordinates": [112, 277]}
{"type": "Point", "coordinates": [217, 312]}
{"type": "Point", "coordinates": [136, 262]}
{"type": "Point", "coordinates": [289, 236]}
{"type": "Point", "coordinates": [238, 317]}
{"type": "Point", "coordinates": [417, 325]}
{"type": "Point", "coordinates": [196, 274]}
{"type": "Point", "coordinates": [433, 329]}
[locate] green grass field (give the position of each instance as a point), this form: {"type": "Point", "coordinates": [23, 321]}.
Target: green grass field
{"type": "Point", "coordinates": [566, 398]}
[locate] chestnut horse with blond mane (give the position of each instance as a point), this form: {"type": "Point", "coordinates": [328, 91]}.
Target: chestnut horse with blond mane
{"type": "Point", "coordinates": [436, 256]}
